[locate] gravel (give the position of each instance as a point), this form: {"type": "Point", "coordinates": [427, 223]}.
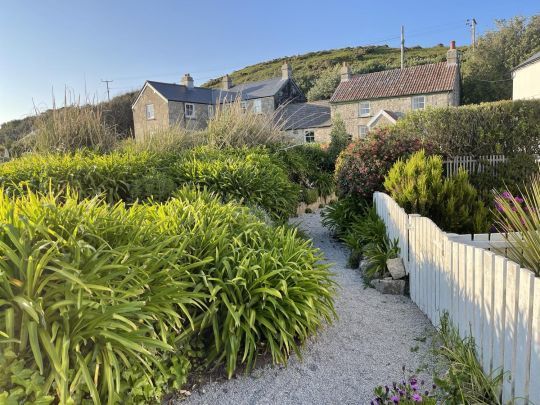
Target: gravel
{"type": "Point", "coordinates": [367, 346]}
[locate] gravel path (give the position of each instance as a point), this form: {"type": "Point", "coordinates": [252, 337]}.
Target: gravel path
{"type": "Point", "coordinates": [373, 338]}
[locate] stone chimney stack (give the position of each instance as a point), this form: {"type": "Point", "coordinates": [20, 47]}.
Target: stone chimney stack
{"type": "Point", "coordinates": [345, 72]}
{"type": "Point", "coordinates": [286, 71]}
{"type": "Point", "coordinates": [452, 56]}
{"type": "Point", "coordinates": [226, 82]}
{"type": "Point", "coordinates": [187, 81]}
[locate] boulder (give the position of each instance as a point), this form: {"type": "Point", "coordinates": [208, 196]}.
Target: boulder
{"type": "Point", "coordinates": [396, 268]}
{"type": "Point", "coordinates": [389, 286]}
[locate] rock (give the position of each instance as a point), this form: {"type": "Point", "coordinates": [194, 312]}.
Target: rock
{"type": "Point", "coordinates": [396, 268]}
{"type": "Point", "coordinates": [363, 264]}
{"type": "Point", "coordinates": [389, 286]}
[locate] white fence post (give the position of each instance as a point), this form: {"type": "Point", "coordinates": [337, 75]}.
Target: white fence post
{"type": "Point", "coordinates": [486, 295]}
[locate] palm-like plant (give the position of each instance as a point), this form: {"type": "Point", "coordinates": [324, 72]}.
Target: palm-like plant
{"type": "Point", "coordinates": [519, 218]}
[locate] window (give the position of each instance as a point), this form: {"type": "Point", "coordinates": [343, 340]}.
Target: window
{"type": "Point", "coordinates": [189, 110]}
{"type": "Point", "coordinates": [210, 111]}
{"type": "Point", "coordinates": [257, 106]}
{"type": "Point", "coordinates": [150, 111]}
{"type": "Point", "coordinates": [364, 109]}
{"type": "Point", "coordinates": [243, 104]}
{"type": "Point", "coordinates": [418, 102]}
{"type": "Point", "coordinates": [363, 131]}
{"type": "Point", "coordinates": [310, 136]}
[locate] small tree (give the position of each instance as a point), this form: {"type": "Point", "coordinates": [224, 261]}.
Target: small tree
{"type": "Point", "coordinates": [339, 138]}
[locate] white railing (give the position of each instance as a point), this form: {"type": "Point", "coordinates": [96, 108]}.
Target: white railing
{"type": "Point", "coordinates": [472, 164]}
{"type": "Point", "coordinates": [485, 294]}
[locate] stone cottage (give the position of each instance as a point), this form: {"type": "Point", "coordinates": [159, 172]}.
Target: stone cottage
{"type": "Point", "coordinates": [161, 105]}
{"type": "Point", "coordinates": [371, 100]}
{"type": "Point", "coordinates": [306, 122]}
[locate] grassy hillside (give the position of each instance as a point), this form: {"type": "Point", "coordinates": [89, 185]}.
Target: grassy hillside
{"type": "Point", "coordinates": [317, 73]}
{"type": "Point", "coordinates": [311, 69]}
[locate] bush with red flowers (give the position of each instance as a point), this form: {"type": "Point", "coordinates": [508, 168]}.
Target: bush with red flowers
{"type": "Point", "coordinates": [360, 169]}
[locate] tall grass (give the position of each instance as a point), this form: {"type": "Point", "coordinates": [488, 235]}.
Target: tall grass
{"type": "Point", "coordinates": [72, 127]}
{"type": "Point", "coordinates": [519, 219]}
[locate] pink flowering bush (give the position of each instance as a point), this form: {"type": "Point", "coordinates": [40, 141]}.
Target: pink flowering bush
{"type": "Point", "coordinates": [360, 169]}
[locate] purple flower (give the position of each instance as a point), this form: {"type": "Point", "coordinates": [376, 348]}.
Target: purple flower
{"type": "Point", "coordinates": [414, 387]}
{"type": "Point", "coordinates": [417, 398]}
{"type": "Point", "coordinates": [506, 194]}
{"type": "Point", "coordinates": [395, 399]}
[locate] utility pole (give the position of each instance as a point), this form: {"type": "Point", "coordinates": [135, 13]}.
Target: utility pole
{"type": "Point", "coordinates": [402, 46]}
{"type": "Point", "coordinates": [107, 83]}
{"type": "Point", "coordinates": [471, 22]}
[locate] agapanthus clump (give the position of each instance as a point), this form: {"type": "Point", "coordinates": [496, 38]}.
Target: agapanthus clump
{"type": "Point", "coordinates": [408, 391]}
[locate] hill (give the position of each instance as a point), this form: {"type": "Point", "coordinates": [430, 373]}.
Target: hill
{"type": "Point", "coordinates": [317, 73]}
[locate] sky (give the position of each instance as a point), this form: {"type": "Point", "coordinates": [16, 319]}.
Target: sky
{"type": "Point", "coordinates": [50, 46]}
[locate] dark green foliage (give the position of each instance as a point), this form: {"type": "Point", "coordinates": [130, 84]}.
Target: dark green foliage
{"type": "Point", "coordinates": [309, 195]}
{"type": "Point", "coordinates": [339, 138]}
{"type": "Point", "coordinates": [377, 254]}
{"type": "Point", "coordinates": [155, 185]}
{"type": "Point", "coordinates": [504, 127]}
{"type": "Point", "coordinates": [486, 70]}
{"type": "Point", "coordinates": [340, 215]}
{"type": "Point", "coordinates": [453, 204]}
{"type": "Point", "coordinates": [361, 168]}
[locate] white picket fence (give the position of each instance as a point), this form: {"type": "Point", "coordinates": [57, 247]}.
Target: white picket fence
{"type": "Point", "coordinates": [485, 294]}
{"type": "Point", "coordinates": [472, 164]}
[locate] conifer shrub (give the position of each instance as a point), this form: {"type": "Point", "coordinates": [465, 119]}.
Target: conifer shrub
{"type": "Point", "coordinates": [453, 203]}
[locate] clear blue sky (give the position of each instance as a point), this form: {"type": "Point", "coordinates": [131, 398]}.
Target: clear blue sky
{"type": "Point", "coordinates": [48, 45]}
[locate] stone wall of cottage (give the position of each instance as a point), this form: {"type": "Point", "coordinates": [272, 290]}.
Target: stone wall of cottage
{"type": "Point", "coordinates": [144, 126]}
{"type": "Point", "coordinates": [267, 105]}
{"type": "Point", "coordinates": [322, 134]}
{"type": "Point", "coordinates": [349, 111]}
{"type": "Point", "coordinates": [177, 117]}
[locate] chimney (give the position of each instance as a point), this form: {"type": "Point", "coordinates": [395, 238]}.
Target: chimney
{"type": "Point", "coordinates": [286, 71]}
{"type": "Point", "coordinates": [226, 82]}
{"type": "Point", "coordinates": [187, 81]}
{"type": "Point", "coordinates": [452, 56]}
{"type": "Point", "coordinates": [345, 72]}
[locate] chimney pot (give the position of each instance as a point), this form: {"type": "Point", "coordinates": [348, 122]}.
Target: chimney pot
{"type": "Point", "coordinates": [187, 81]}
{"type": "Point", "coordinates": [452, 44]}
{"type": "Point", "coordinates": [286, 71]}
{"type": "Point", "coordinates": [452, 55]}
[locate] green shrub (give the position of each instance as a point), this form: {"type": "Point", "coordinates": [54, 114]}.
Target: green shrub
{"type": "Point", "coordinates": [305, 164]}
{"type": "Point", "coordinates": [340, 215]}
{"type": "Point", "coordinates": [244, 175]}
{"type": "Point", "coordinates": [310, 195]}
{"type": "Point", "coordinates": [416, 183]}
{"type": "Point", "coordinates": [339, 138]}
{"type": "Point", "coordinates": [366, 228]}
{"type": "Point", "coordinates": [464, 381]}
{"type": "Point", "coordinates": [105, 301]}
{"type": "Point", "coordinates": [503, 127]}
{"type": "Point", "coordinates": [453, 203]}
{"type": "Point", "coordinates": [361, 168]}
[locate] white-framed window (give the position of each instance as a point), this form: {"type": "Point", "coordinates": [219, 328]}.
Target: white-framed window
{"type": "Point", "coordinates": [418, 102]}
{"type": "Point", "coordinates": [364, 109]}
{"type": "Point", "coordinates": [149, 111]}
{"type": "Point", "coordinates": [257, 106]}
{"type": "Point", "coordinates": [363, 131]}
{"type": "Point", "coordinates": [210, 111]}
{"type": "Point", "coordinates": [310, 136]}
{"type": "Point", "coordinates": [189, 110]}
{"type": "Point", "coordinates": [243, 104]}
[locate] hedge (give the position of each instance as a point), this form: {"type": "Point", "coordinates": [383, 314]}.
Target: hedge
{"type": "Point", "coordinates": [503, 127]}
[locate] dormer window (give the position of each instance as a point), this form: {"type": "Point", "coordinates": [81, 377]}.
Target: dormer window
{"type": "Point", "coordinates": [364, 109]}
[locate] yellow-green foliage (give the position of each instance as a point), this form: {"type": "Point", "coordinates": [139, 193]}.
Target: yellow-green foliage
{"type": "Point", "coordinates": [104, 301]}
{"type": "Point", "coordinates": [416, 182]}
{"type": "Point", "coordinates": [453, 204]}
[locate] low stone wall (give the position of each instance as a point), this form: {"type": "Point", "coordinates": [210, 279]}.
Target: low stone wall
{"type": "Point", "coordinates": [316, 205]}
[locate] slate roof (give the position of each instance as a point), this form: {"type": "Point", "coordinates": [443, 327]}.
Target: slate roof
{"type": "Point", "coordinates": [304, 115]}
{"type": "Point", "coordinates": [422, 79]}
{"type": "Point", "coordinates": [532, 59]}
{"type": "Point", "coordinates": [200, 95]}
{"type": "Point", "coordinates": [263, 88]}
